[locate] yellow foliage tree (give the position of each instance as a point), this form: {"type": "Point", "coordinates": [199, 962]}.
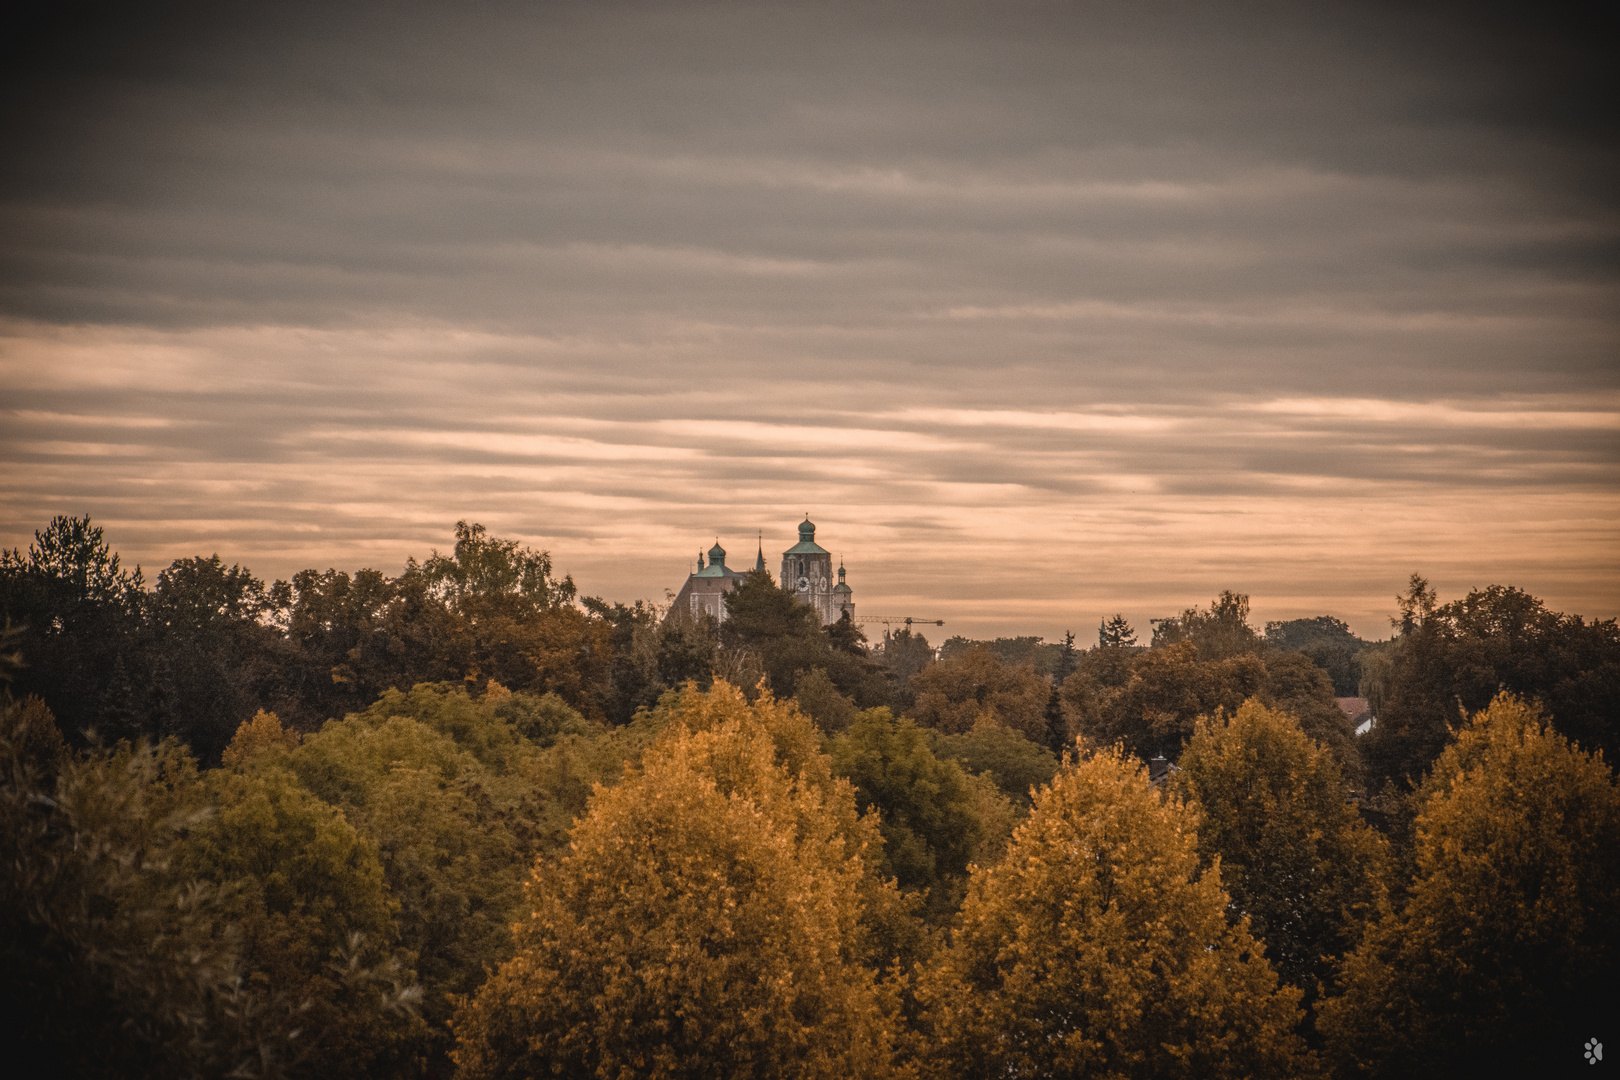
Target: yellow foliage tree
{"type": "Point", "coordinates": [953, 694]}
{"type": "Point", "coordinates": [262, 733]}
{"type": "Point", "coordinates": [704, 922]}
{"type": "Point", "coordinates": [1096, 948]}
{"type": "Point", "coordinates": [1504, 953]}
{"type": "Point", "coordinates": [1294, 854]}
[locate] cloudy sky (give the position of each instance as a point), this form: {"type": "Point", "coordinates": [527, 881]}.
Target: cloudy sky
{"type": "Point", "coordinates": [1042, 311]}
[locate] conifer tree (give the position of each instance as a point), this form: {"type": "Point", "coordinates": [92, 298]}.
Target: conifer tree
{"type": "Point", "coordinates": [1057, 726]}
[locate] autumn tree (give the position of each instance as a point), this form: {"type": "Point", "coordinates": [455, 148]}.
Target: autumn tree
{"type": "Point", "coordinates": [1097, 947]}
{"type": "Point", "coordinates": [702, 923]}
{"type": "Point", "coordinates": [953, 693]}
{"type": "Point", "coordinates": [1502, 956]}
{"type": "Point", "coordinates": [1293, 853]}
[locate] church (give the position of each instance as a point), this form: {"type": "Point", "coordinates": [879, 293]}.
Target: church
{"type": "Point", "coordinates": [806, 569]}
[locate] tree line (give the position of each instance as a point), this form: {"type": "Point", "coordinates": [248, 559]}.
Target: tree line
{"type": "Point", "coordinates": [464, 822]}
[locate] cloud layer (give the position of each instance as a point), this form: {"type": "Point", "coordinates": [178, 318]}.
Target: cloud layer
{"type": "Point", "coordinates": [1041, 314]}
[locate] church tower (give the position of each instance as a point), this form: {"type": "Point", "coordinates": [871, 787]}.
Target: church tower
{"type": "Point", "coordinates": [843, 596]}
{"type": "Point", "coordinates": [807, 570]}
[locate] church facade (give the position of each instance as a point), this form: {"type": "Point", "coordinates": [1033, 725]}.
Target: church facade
{"type": "Point", "coordinates": [704, 591]}
{"type": "Point", "coordinates": [807, 571]}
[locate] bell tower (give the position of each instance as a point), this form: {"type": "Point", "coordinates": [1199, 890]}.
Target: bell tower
{"type": "Point", "coordinates": [807, 570]}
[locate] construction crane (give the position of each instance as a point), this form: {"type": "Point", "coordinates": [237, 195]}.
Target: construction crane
{"type": "Point", "coordinates": [896, 620]}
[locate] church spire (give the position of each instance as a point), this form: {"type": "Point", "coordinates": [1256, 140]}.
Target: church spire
{"type": "Point", "coordinates": [759, 562]}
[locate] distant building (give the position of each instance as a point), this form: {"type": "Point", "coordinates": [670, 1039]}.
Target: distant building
{"type": "Point", "coordinates": [1160, 770]}
{"type": "Point", "coordinates": [806, 570]}
{"type": "Point", "coordinates": [1359, 713]}
{"type": "Point", "coordinates": [704, 591]}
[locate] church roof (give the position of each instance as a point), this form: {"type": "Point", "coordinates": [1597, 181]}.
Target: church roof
{"type": "Point", "coordinates": [807, 540]}
{"type": "Point", "coordinates": [717, 567]}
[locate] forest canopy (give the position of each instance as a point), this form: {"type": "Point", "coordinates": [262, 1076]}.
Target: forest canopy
{"type": "Point", "coordinates": [461, 821]}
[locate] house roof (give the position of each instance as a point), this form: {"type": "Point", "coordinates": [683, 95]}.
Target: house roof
{"type": "Point", "coordinates": [1355, 708]}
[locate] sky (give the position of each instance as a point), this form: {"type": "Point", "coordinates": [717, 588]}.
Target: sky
{"type": "Point", "coordinates": [1041, 311]}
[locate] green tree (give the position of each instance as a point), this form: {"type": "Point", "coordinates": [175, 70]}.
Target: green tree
{"type": "Point", "coordinates": [1108, 665]}
{"type": "Point", "coordinates": [1454, 658]}
{"type": "Point", "coordinates": [1115, 633]}
{"type": "Point", "coordinates": [1329, 644]}
{"type": "Point", "coordinates": [1057, 724]}
{"type": "Point", "coordinates": [1222, 631]}
{"type": "Point", "coordinates": [926, 808]}
{"type": "Point", "coordinates": [902, 655]}
{"type": "Point", "coordinates": [355, 637]}
{"type": "Point", "coordinates": [1298, 686]}
{"type": "Point", "coordinates": [1067, 660]}
{"type": "Point", "coordinates": [821, 701]}
{"type": "Point", "coordinates": [759, 614]}
{"type": "Point", "coordinates": [78, 613]}
{"type": "Point", "coordinates": [786, 636]}
{"type": "Point", "coordinates": [215, 660]}
{"type": "Point", "coordinates": [1096, 947]}
{"type": "Point", "coordinates": [111, 969]}
{"type": "Point", "coordinates": [1150, 699]}
{"type": "Point", "coordinates": [484, 575]}
{"type": "Point", "coordinates": [1503, 954]}
{"type": "Point", "coordinates": [630, 679]}
{"type": "Point", "coordinates": [1003, 756]}
{"type": "Point", "coordinates": [119, 960]}
{"type": "Point", "coordinates": [313, 907]}
{"type": "Point", "coordinates": [846, 637]}
{"type": "Point", "coordinates": [1293, 852]}
{"type": "Point", "coordinates": [449, 845]}
{"type": "Point", "coordinates": [702, 922]}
